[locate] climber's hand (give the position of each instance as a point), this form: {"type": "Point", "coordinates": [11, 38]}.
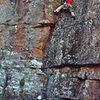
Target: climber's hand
{"type": "Point", "coordinates": [65, 3]}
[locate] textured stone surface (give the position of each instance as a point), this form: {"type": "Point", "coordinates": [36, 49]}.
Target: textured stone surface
{"type": "Point", "coordinates": [18, 79]}
{"type": "Point", "coordinates": [25, 26]}
{"type": "Point", "coordinates": [75, 41]}
{"type": "Point", "coordinates": [26, 57]}
{"type": "Point", "coordinates": [24, 29]}
{"type": "Point", "coordinates": [74, 83]}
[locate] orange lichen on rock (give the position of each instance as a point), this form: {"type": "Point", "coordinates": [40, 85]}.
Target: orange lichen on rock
{"type": "Point", "coordinates": [37, 52]}
{"type": "Point", "coordinates": [41, 36]}
{"type": "Point", "coordinates": [17, 49]}
{"type": "Point", "coordinates": [42, 78]}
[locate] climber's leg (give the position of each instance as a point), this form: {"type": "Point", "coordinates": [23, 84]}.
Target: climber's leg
{"type": "Point", "coordinates": [72, 13]}
{"type": "Point", "coordinates": [58, 9]}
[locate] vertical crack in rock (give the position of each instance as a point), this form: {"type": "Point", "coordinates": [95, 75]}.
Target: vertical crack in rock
{"type": "Point", "coordinates": [6, 83]}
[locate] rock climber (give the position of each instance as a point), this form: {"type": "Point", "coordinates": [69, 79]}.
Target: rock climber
{"type": "Point", "coordinates": [66, 7]}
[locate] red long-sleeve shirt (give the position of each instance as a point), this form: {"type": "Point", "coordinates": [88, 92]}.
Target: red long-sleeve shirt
{"type": "Point", "coordinates": [68, 1]}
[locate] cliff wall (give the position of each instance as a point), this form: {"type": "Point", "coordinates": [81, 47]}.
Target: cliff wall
{"type": "Point", "coordinates": [47, 56]}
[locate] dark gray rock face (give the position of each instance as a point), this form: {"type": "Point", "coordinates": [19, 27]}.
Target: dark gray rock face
{"type": "Point", "coordinates": [75, 41]}
{"type": "Point", "coordinates": [73, 83]}
{"type": "Point", "coordinates": [24, 29]}
{"type": "Point", "coordinates": [18, 80]}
